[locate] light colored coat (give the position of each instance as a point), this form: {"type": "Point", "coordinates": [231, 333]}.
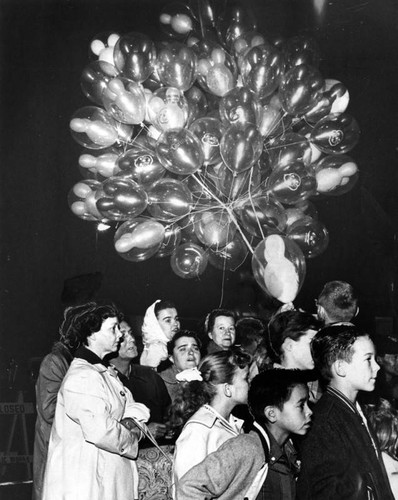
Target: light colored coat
{"type": "Point", "coordinates": [204, 433]}
{"type": "Point", "coordinates": [91, 455]}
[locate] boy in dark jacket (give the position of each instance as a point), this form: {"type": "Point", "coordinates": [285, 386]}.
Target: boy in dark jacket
{"type": "Point", "coordinates": [262, 464]}
{"type": "Point", "coordinates": [340, 457]}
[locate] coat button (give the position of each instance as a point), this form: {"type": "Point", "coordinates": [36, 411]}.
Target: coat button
{"type": "Point", "coordinates": [122, 450]}
{"type": "Point", "coordinates": [122, 393]}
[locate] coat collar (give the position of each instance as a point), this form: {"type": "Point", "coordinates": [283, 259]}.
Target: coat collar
{"type": "Point", "coordinates": [90, 357]}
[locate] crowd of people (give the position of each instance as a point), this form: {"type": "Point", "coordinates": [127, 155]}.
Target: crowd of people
{"type": "Point", "coordinates": [301, 406]}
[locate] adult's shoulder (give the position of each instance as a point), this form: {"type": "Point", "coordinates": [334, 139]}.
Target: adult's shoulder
{"type": "Point", "coordinates": [144, 372]}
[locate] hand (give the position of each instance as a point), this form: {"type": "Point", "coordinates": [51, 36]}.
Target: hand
{"type": "Point", "coordinates": [158, 430]}
{"type": "Point", "coordinates": [131, 426]}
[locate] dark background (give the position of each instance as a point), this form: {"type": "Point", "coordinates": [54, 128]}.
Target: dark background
{"type": "Point", "coordinates": [44, 48]}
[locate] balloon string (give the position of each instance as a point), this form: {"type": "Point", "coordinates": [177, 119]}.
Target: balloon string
{"type": "Point", "coordinates": [228, 209]}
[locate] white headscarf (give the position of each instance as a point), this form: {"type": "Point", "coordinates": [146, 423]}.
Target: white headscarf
{"type": "Point", "coordinates": [151, 330]}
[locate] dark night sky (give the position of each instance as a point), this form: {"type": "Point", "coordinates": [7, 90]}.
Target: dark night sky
{"type": "Point", "coordinates": [44, 48]}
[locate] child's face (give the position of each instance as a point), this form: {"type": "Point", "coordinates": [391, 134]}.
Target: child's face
{"type": "Point", "coordinates": [361, 371]}
{"type": "Point", "coordinates": [295, 416]}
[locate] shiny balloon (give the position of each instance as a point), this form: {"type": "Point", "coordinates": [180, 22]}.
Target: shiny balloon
{"type": "Point", "coordinates": [339, 95]}
{"type": "Point", "coordinates": [169, 199]}
{"type": "Point", "coordinates": [271, 120]}
{"type": "Point", "coordinates": [176, 65]}
{"type": "Point", "coordinates": [197, 104]}
{"type": "Point", "coordinates": [335, 175]}
{"type": "Point", "coordinates": [93, 128]}
{"type": "Point", "coordinates": [214, 228]}
{"type": "Point", "coordinates": [300, 89]}
{"type": "Point", "coordinates": [336, 134]}
{"type": "Point", "coordinates": [177, 20]}
{"type": "Point", "coordinates": [102, 162]}
{"type": "Point", "coordinates": [121, 199]}
{"type": "Point", "coordinates": [81, 200]}
{"type": "Point", "coordinates": [289, 148]}
{"type": "Point", "coordinates": [231, 256]}
{"type": "Point", "coordinates": [167, 108]}
{"type": "Point", "coordinates": [240, 106]}
{"type": "Point", "coordinates": [310, 235]}
{"type": "Point", "coordinates": [124, 99]}
{"type": "Point", "coordinates": [209, 132]}
{"type": "Point", "coordinates": [299, 50]}
{"type": "Point", "coordinates": [180, 151]}
{"type": "Point", "coordinates": [262, 216]}
{"type": "Point", "coordinates": [241, 147]}
{"type": "Point", "coordinates": [139, 239]}
{"type": "Point", "coordinates": [189, 260]}
{"type": "Point", "coordinates": [142, 163]}
{"type": "Point", "coordinates": [244, 43]}
{"type": "Point", "coordinates": [292, 183]}
{"type": "Point", "coordinates": [238, 20]}
{"type": "Point", "coordinates": [94, 79]}
{"type": "Point", "coordinates": [279, 267]}
{"type": "Point", "coordinates": [217, 72]}
{"type": "Point", "coordinates": [135, 56]}
{"type": "Point", "coordinates": [102, 46]}
{"type": "Point", "coordinates": [261, 69]}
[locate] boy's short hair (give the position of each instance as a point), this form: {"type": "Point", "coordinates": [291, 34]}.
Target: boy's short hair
{"type": "Point", "coordinates": [273, 388]}
{"type": "Point", "coordinates": [339, 300]}
{"type": "Point", "coordinates": [178, 335]}
{"type": "Point", "coordinates": [332, 343]}
{"type": "Point", "coordinates": [288, 324]}
{"type": "Point", "coordinates": [248, 330]}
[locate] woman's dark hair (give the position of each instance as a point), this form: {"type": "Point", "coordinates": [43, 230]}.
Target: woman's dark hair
{"type": "Point", "coordinates": [215, 313]}
{"type": "Point", "coordinates": [178, 335]}
{"type": "Point", "coordinates": [384, 421]}
{"type": "Point", "coordinates": [82, 321]}
{"type": "Point", "coordinates": [216, 368]}
{"type": "Point", "coordinates": [288, 324]}
{"type": "Point", "coordinates": [163, 304]}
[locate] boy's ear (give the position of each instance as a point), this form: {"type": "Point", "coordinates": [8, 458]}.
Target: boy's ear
{"type": "Point", "coordinates": [287, 344]}
{"type": "Point", "coordinates": [171, 359]}
{"type": "Point", "coordinates": [210, 335]}
{"type": "Point", "coordinates": [340, 367]}
{"type": "Point", "coordinates": [270, 414]}
{"type": "Point", "coordinates": [321, 312]}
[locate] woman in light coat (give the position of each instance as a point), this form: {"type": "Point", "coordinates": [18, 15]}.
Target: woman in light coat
{"type": "Point", "coordinates": [206, 406]}
{"type": "Point", "coordinates": [93, 441]}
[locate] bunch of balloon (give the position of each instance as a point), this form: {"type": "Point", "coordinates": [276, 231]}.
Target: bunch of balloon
{"type": "Point", "coordinates": [212, 144]}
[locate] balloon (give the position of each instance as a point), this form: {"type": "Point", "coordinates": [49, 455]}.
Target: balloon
{"type": "Point", "coordinates": [240, 106]}
{"type": "Point", "coordinates": [141, 163]}
{"type": "Point", "coordinates": [291, 184]}
{"type": "Point", "coordinates": [121, 199]}
{"type": "Point", "coordinates": [241, 147]}
{"type": "Point", "coordinates": [135, 56]}
{"type": "Point", "coordinates": [214, 228]}
{"type": "Point", "coordinates": [171, 240]}
{"type": "Point", "coordinates": [238, 20]}
{"type": "Point", "coordinates": [95, 78]}
{"type": "Point", "coordinates": [338, 134]}
{"type": "Point", "coordinates": [244, 43]}
{"type": "Point", "coordinates": [271, 120]}
{"type": "Point", "coordinates": [233, 185]}
{"type": "Point", "coordinates": [93, 128]}
{"type": "Point", "coordinates": [168, 109]}
{"type": "Point", "coordinates": [101, 162]}
{"type": "Point", "coordinates": [335, 175]}
{"type": "Point", "coordinates": [231, 256]}
{"type": "Point", "coordinates": [124, 99]}
{"type": "Point", "coordinates": [310, 235]}
{"type": "Point", "coordinates": [139, 239]}
{"type": "Point", "coordinates": [216, 69]}
{"type": "Point", "coordinates": [189, 260]}
{"type": "Point", "coordinates": [176, 65]}
{"type": "Point", "coordinates": [339, 93]}
{"type": "Point", "coordinates": [169, 199]}
{"type": "Point", "coordinates": [301, 50]}
{"type": "Point", "coordinates": [301, 88]}
{"type": "Point", "coordinates": [209, 132]}
{"type": "Point", "coordinates": [279, 267]}
{"type": "Point", "coordinates": [262, 216]}
{"type": "Point", "coordinates": [261, 69]}
{"type": "Point", "coordinates": [180, 151]}
{"type": "Point", "coordinates": [197, 104]}
{"type": "Point", "coordinates": [176, 20]}
{"type": "Point", "coordinates": [102, 46]}
{"type": "Point", "coordinates": [209, 178]}
{"type": "Point", "coordinates": [288, 148]}
{"type": "Point", "coordinates": [80, 200]}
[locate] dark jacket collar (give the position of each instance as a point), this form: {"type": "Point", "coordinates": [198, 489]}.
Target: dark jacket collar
{"type": "Point", "coordinates": [90, 356]}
